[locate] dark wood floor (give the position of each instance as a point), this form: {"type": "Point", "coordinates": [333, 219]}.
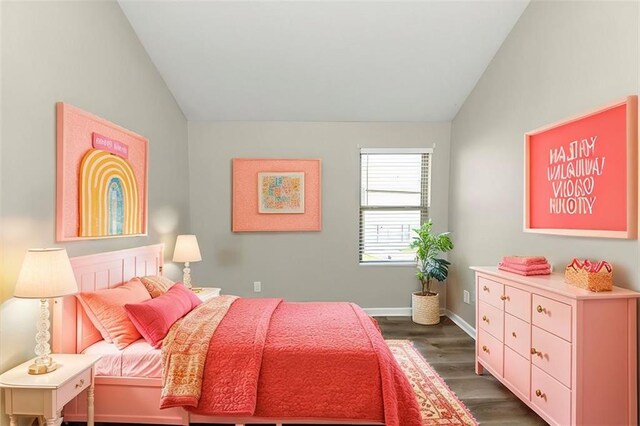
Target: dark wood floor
{"type": "Point", "coordinates": [451, 352]}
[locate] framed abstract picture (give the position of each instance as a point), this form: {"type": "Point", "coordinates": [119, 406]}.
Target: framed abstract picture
{"type": "Point", "coordinates": [281, 192]}
{"type": "Point", "coordinates": [101, 187]}
{"type": "Point", "coordinates": [581, 174]}
{"type": "Point", "coordinates": [276, 195]}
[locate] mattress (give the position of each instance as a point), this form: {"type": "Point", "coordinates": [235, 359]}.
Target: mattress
{"type": "Point", "coordinates": [139, 359]}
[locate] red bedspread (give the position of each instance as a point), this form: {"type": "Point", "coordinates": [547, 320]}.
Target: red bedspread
{"type": "Point", "coordinates": [282, 360]}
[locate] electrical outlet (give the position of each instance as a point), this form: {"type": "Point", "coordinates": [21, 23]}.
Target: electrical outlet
{"type": "Point", "coordinates": [465, 294]}
{"type": "Point", "coordinates": [257, 286]}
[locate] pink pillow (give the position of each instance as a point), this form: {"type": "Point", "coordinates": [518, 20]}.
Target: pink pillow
{"type": "Point", "coordinates": [154, 317]}
{"type": "Point", "coordinates": [105, 309]}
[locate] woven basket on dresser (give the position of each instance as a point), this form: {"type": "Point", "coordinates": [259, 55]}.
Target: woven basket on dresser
{"type": "Point", "coordinates": [598, 278]}
{"type": "Point", "coordinates": [425, 309]}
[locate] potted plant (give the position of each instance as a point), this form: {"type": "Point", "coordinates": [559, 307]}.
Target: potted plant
{"type": "Point", "coordinates": [425, 304]}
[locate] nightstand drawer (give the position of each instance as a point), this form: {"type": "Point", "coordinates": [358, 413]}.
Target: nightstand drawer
{"type": "Point", "coordinates": [72, 388]}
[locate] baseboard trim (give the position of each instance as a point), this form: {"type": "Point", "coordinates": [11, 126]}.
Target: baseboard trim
{"type": "Point", "coordinates": [406, 312]}
{"type": "Point", "coordinates": [388, 312]}
{"type": "Point", "coordinates": [465, 326]}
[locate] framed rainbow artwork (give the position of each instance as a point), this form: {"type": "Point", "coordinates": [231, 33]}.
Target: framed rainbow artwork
{"type": "Point", "coordinates": [101, 188]}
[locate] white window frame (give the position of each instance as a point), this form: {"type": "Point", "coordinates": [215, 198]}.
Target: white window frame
{"type": "Point", "coordinates": [424, 209]}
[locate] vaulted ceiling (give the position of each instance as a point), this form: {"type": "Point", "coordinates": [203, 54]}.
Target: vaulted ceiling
{"type": "Point", "coordinates": [322, 60]}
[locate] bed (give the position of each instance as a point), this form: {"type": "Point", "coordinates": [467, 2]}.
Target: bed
{"type": "Point", "coordinates": [129, 386]}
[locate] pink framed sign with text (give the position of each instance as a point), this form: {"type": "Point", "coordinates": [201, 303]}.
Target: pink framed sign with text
{"type": "Point", "coordinates": [581, 174]}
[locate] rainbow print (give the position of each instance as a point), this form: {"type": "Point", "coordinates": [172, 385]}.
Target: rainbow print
{"type": "Point", "coordinates": [108, 196]}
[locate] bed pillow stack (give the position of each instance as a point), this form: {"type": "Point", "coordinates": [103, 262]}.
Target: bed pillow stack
{"type": "Point", "coordinates": [525, 265]}
{"type": "Point", "coordinates": [153, 318]}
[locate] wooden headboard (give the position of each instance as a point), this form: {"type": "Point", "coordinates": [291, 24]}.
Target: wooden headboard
{"type": "Point", "coordinates": [72, 329]}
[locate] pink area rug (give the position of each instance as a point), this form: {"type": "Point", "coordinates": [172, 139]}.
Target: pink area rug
{"type": "Point", "coordinates": [438, 404]}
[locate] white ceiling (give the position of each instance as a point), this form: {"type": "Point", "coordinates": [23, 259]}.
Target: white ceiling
{"type": "Point", "coordinates": [323, 60]}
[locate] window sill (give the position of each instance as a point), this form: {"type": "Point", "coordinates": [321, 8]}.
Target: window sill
{"type": "Point", "coordinates": [412, 264]}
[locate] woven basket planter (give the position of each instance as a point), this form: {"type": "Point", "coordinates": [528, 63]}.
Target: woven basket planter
{"type": "Point", "coordinates": [425, 309]}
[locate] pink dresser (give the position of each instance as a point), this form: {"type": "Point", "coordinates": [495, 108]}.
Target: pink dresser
{"type": "Point", "coordinates": [568, 353]}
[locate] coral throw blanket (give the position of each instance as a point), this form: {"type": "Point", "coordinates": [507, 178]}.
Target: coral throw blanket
{"type": "Point", "coordinates": [303, 361]}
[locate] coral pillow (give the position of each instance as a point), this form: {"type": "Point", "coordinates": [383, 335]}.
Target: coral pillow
{"type": "Point", "coordinates": [156, 284]}
{"type": "Point", "coordinates": [105, 309]}
{"type": "Point", "coordinates": [153, 318]}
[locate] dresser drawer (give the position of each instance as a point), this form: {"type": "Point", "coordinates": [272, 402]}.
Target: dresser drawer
{"type": "Point", "coordinates": [550, 397]}
{"type": "Point", "coordinates": [73, 387]}
{"type": "Point", "coordinates": [491, 292]}
{"type": "Point", "coordinates": [491, 319]}
{"type": "Point", "coordinates": [551, 315]}
{"type": "Point", "coordinates": [517, 335]}
{"type": "Point", "coordinates": [517, 371]}
{"type": "Point", "coordinates": [490, 351]}
{"type": "Point", "coordinates": [553, 355]}
{"type": "Point", "coordinates": [517, 302]}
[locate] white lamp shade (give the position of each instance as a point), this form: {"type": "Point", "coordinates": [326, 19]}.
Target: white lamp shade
{"type": "Point", "coordinates": [187, 249]}
{"type": "Point", "coordinates": [45, 273]}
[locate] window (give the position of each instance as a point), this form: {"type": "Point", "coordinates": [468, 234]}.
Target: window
{"type": "Point", "coordinates": [394, 199]}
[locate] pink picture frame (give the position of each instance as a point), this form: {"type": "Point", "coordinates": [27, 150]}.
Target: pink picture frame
{"type": "Point", "coordinates": [101, 178]}
{"type": "Point", "coordinates": [246, 215]}
{"type": "Point", "coordinates": [580, 174]}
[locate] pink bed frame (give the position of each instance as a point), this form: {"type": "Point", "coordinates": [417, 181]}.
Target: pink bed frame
{"type": "Point", "coordinates": [125, 399]}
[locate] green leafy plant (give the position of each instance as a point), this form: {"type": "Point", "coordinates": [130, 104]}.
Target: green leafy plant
{"type": "Point", "coordinates": [428, 247]}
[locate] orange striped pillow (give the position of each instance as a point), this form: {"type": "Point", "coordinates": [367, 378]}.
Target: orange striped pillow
{"type": "Point", "coordinates": [156, 284]}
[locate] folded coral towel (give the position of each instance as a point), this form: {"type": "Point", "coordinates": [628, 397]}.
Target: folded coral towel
{"type": "Point", "coordinates": [507, 268]}
{"type": "Point", "coordinates": [525, 260]}
{"type": "Point", "coordinates": [527, 268]}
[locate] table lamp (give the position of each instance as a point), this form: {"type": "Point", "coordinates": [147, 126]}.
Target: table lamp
{"type": "Point", "coordinates": [186, 251]}
{"type": "Point", "coordinates": [45, 273]}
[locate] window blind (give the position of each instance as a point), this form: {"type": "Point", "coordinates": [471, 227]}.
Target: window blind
{"type": "Point", "coordinates": [394, 199]}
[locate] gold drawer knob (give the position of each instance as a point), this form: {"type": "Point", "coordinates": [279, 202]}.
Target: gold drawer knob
{"type": "Point", "coordinates": [540, 394]}
{"type": "Point", "coordinates": [485, 319]}
{"type": "Point", "coordinates": [485, 349]}
{"type": "Point", "coordinates": [79, 385]}
{"type": "Point", "coordinates": [534, 351]}
{"type": "Point", "coordinates": [503, 297]}
{"type": "Point", "coordinates": [513, 333]}
{"type": "Point", "coordinates": [540, 309]}
{"type": "Point", "coordinates": [485, 288]}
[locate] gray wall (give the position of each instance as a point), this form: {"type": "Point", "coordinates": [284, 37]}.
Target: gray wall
{"type": "Point", "coordinates": [86, 54]}
{"type": "Point", "coordinates": [561, 58]}
{"type": "Point", "coordinates": [303, 265]}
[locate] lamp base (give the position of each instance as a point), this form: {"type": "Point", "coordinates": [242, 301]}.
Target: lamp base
{"type": "Point", "coordinates": [35, 369]}
{"type": "Point", "coordinates": [186, 275]}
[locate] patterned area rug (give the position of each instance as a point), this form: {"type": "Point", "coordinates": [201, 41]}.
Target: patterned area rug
{"type": "Point", "coordinates": [439, 405]}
